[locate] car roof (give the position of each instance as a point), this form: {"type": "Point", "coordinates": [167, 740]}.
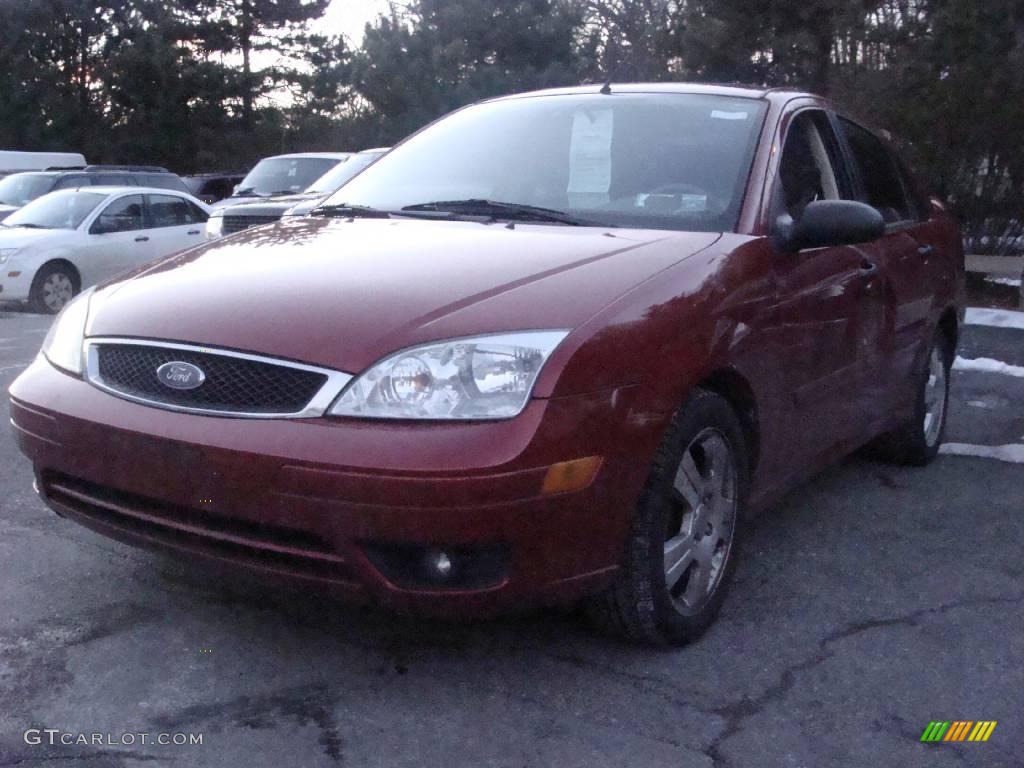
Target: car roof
{"type": "Point", "coordinates": [314, 155]}
{"type": "Point", "coordinates": [738, 90]}
{"type": "Point", "coordinates": [92, 172]}
{"type": "Point", "coordinates": [114, 188]}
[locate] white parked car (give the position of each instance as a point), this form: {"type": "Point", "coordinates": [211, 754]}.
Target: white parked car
{"type": "Point", "coordinates": [68, 240]}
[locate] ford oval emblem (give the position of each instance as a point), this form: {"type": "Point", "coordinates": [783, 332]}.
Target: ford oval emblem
{"type": "Point", "coordinates": [179, 375]}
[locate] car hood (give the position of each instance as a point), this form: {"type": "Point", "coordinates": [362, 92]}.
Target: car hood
{"type": "Point", "coordinates": [273, 206]}
{"type": "Point", "coordinates": [22, 237]}
{"type": "Point", "coordinates": [344, 293]}
{"type": "Point", "coordinates": [291, 199]}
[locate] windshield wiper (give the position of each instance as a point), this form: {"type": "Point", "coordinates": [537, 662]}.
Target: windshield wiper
{"type": "Point", "coordinates": [497, 209]}
{"type": "Point", "coordinates": [28, 225]}
{"type": "Point", "coordinates": [343, 209]}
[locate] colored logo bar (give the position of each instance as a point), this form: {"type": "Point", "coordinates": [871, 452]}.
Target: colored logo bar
{"type": "Point", "coordinates": [958, 730]}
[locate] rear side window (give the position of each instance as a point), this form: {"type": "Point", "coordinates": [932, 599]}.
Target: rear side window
{"type": "Point", "coordinates": [883, 185]}
{"type": "Point", "coordinates": [168, 211]}
{"type": "Point", "coordinates": [163, 181]}
{"type": "Point", "coordinates": [113, 180]}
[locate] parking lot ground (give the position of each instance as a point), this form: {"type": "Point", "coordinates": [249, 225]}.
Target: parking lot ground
{"type": "Point", "coordinates": [868, 603]}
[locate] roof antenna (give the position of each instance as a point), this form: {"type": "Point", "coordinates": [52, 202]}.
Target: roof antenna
{"type": "Point", "coordinates": [606, 89]}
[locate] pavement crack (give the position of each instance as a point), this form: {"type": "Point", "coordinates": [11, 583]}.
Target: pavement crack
{"type": "Point", "coordinates": [81, 756]}
{"type": "Point", "coordinates": [305, 705]}
{"type": "Point", "coordinates": [738, 712]}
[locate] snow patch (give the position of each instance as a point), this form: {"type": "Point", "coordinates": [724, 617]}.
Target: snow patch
{"type": "Point", "coordinates": [998, 318]}
{"type": "Point", "coordinates": [987, 365]}
{"type": "Point", "coordinates": [978, 404]}
{"type": "Point", "coordinates": [1014, 281]}
{"type": "Point", "coordinates": [1012, 452]}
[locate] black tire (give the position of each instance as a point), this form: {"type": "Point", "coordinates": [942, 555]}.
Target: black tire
{"type": "Point", "coordinates": [639, 605]}
{"type": "Point", "coordinates": [914, 443]}
{"type": "Point", "coordinates": [43, 296]}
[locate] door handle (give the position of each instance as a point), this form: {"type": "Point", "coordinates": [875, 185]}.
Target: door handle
{"type": "Point", "coordinates": [142, 239]}
{"type": "Point", "coordinates": [868, 269]}
{"type": "Point", "coordinates": [925, 250]}
{"type": "Point", "coordinates": [193, 231]}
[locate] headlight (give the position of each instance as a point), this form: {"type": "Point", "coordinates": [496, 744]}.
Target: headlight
{"type": "Point", "coordinates": [215, 224]}
{"type": "Point", "coordinates": [486, 377]}
{"type": "Point", "coordinates": [6, 253]}
{"type": "Point", "coordinates": [63, 344]}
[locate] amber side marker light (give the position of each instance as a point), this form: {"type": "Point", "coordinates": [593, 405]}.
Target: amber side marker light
{"type": "Point", "coordinates": [572, 475]}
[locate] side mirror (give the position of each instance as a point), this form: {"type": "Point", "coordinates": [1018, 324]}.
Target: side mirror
{"type": "Point", "coordinates": [100, 229]}
{"type": "Point", "coordinates": [827, 223]}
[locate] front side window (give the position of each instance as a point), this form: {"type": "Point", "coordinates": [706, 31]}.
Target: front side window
{"type": "Point", "coordinates": [169, 211]}
{"type": "Point", "coordinates": [122, 215]}
{"type": "Point", "coordinates": [883, 187]}
{"type": "Point", "coordinates": [659, 160]}
{"type": "Point", "coordinates": [22, 188]}
{"type": "Point", "coordinates": [61, 210]}
{"type": "Point", "coordinates": [283, 175]}
{"type": "Point", "coordinates": [810, 168]}
{"type": "Point", "coordinates": [72, 182]}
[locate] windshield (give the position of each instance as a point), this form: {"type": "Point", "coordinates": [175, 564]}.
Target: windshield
{"type": "Point", "coordinates": [666, 161]}
{"type": "Point", "coordinates": [341, 173]}
{"type": "Point", "coordinates": [23, 188]}
{"type": "Point", "coordinates": [284, 175]}
{"type": "Point", "coordinates": [59, 210]}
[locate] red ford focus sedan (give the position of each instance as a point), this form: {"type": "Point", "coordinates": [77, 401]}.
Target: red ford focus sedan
{"type": "Point", "coordinates": [553, 347]}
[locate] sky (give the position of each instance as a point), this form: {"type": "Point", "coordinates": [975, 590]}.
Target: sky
{"type": "Point", "coordinates": [348, 17]}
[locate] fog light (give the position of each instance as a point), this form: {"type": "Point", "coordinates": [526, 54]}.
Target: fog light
{"type": "Point", "coordinates": [456, 567]}
{"type": "Point", "coordinates": [440, 563]}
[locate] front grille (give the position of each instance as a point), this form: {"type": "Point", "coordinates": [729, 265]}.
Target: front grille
{"type": "Point", "coordinates": [238, 223]}
{"type": "Point", "coordinates": [263, 545]}
{"type": "Point", "coordinates": [232, 384]}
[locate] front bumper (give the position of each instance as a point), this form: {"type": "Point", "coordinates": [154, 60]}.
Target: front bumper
{"type": "Point", "coordinates": [15, 282]}
{"type": "Point", "coordinates": [312, 500]}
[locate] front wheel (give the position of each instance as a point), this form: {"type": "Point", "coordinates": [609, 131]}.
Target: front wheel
{"type": "Point", "coordinates": [53, 286]}
{"type": "Point", "coordinates": [682, 546]}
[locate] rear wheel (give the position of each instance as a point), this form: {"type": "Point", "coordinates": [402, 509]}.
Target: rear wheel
{"type": "Point", "coordinates": [682, 546]}
{"type": "Point", "coordinates": [917, 441]}
{"type": "Point", "coordinates": [53, 287]}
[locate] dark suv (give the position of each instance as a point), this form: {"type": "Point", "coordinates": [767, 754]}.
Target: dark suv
{"type": "Point", "coordinates": [213, 187]}
{"type": "Point", "coordinates": [20, 188]}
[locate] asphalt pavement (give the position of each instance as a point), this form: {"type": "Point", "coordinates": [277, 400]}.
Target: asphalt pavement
{"type": "Point", "coordinates": [870, 602]}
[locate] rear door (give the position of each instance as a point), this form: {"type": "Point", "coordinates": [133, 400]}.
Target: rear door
{"type": "Point", "coordinates": [907, 260]}
{"type": "Point", "coordinates": [174, 223]}
{"type": "Point", "coordinates": [828, 301]}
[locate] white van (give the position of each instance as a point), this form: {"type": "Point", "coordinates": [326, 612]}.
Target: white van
{"type": "Point", "coordinates": [38, 161]}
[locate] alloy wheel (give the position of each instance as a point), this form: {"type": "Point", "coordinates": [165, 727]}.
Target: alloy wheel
{"type": "Point", "coordinates": [935, 394]}
{"type": "Point", "coordinates": [57, 291]}
{"type": "Point", "coordinates": [701, 521]}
